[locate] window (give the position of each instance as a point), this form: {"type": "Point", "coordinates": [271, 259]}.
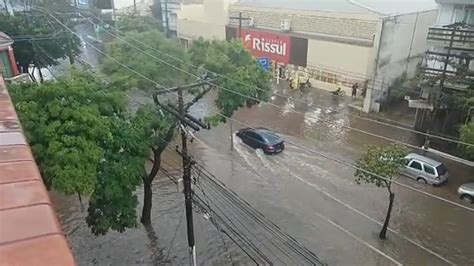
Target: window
{"type": "Point", "coordinates": [415, 165]}
{"type": "Point", "coordinates": [428, 169]}
{"type": "Point", "coordinates": [469, 15]}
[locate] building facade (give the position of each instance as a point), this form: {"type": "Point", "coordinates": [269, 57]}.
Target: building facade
{"type": "Point", "coordinates": [334, 43]}
{"type": "Point", "coordinates": [8, 65]}
{"type": "Point", "coordinates": [448, 65]}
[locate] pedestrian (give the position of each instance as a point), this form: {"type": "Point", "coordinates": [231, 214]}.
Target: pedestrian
{"type": "Point", "coordinates": [354, 89]}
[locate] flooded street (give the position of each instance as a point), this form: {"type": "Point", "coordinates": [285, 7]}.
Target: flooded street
{"type": "Point", "coordinates": [313, 199]}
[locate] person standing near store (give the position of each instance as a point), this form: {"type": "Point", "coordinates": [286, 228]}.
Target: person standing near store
{"type": "Point", "coordinates": [354, 89]}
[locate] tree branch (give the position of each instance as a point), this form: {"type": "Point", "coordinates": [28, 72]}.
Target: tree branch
{"type": "Point", "coordinates": [197, 98]}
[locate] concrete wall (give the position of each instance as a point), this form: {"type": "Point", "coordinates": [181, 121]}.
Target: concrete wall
{"type": "Point", "coordinates": [342, 57]}
{"type": "Point", "coordinates": [402, 47]}
{"type": "Point", "coordinates": [207, 20]}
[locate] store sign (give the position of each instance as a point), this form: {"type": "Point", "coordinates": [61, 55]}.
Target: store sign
{"type": "Point", "coordinates": [264, 44]}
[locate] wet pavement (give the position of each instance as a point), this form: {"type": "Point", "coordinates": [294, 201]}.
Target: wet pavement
{"type": "Point", "coordinates": [313, 199]}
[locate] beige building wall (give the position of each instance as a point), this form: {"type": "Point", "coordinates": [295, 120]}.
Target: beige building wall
{"type": "Point", "coordinates": [340, 57]}
{"type": "Point", "coordinates": [207, 20]}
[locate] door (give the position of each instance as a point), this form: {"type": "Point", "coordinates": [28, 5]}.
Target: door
{"type": "Point", "coordinates": [255, 140]}
{"type": "Point", "coordinates": [430, 173]}
{"type": "Point", "coordinates": [414, 169]}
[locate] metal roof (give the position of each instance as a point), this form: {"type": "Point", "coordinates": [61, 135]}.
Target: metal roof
{"type": "Point", "coordinates": [381, 7]}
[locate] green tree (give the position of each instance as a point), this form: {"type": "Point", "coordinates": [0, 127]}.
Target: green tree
{"type": "Point", "coordinates": [467, 135]}
{"type": "Point", "coordinates": [233, 60]}
{"type": "Point", "coordinates": [381, 162]}
{"type": "Point", "coordinates": [39, 40]}
{"type": "Point", "coordinates": [154, 70]}
{"type": "Point", "coordinates": [86, 144]}
{"type": "Point", "coordinates": [132, 22]}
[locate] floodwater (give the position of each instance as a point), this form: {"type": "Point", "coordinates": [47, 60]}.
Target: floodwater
{"type": "Point", "coordinates": [313, 199]}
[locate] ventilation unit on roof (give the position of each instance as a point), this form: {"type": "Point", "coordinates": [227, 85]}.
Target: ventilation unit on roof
{"type": "Point", "coordinates": [285, 25]}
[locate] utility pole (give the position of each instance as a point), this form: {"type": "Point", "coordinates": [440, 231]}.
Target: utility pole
{"type": "Point", "coordinates": [5, 2]}
{"type": "Point", "coordinates": [186, 119]}
{"type": "Point", "coordinates": [240, 19]}
{"type": "Point", "coordinates": [187, 183]}
{"type": "Point", "coordinates": [448, 54]}
{"type": "Point", "coordinates": [167, 22]}
{"type": "Point", "coordinates": [112, 2]}
{"type": "Point", "coordinates": [135, 7]}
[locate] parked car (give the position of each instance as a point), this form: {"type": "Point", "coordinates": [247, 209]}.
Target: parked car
{"type": "Point", "coordinates": [425, 170]}
{"type": "Point", "coordinates": [467, 192]}
{"type": "Point", "coordinates": [261, 138]}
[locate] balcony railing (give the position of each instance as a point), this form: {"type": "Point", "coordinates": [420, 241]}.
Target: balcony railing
{"type": "Point", "coordinates": [462, 38]}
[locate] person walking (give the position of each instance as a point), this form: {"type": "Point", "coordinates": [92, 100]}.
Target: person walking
{"type": "Point", "coordinates": [354, 89]}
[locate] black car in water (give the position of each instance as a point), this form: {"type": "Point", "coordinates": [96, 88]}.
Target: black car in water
{"type": "Point", "coordinates": [261, 138]}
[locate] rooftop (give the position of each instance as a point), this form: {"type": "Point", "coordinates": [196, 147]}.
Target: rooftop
{"type": "Point", "coordinates": [382, 7]}
{"type": "Point", "coordinates": [5, 40]}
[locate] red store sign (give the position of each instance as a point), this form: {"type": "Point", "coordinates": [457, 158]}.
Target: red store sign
{"type": "Point", "coordinates": [264, 44]}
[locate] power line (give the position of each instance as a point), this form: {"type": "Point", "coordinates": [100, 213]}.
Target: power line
{"type": "Point", "coordinates": [283, 96]}
{"type": "Point", "coordinates": [296, 145]}
{"type": "Point", "coordinates": [307, 103]}
{"type": "Point", "coordinates": [281, 241]}
{"type": "Point", "coordinates": [358, 212]}
{"type": "Point", "coordinates": [174, 235]}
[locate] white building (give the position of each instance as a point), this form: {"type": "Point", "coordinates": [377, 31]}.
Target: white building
{"type": "Point", "coordinates": [451, 39]}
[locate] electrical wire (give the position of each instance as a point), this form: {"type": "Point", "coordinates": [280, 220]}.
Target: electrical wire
{"type": "Point", "coordinates": [283, 96]}
{"type": "Point", "coordinates": [308, 104]}
{"type": "Point", "coordinates": [294, 144]}
{"type": "Point", "coordinates": [214, 184]}
{"type": "Point", "coordinates": [175, 233]}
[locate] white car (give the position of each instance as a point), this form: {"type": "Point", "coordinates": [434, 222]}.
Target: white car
{"type": "Point", "coordinates": [467, 192]}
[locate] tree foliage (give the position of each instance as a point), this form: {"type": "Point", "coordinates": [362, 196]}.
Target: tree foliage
{"type": "Point", "coordinates": [85, 143]}
{"type": "Point", "coordinates": [154, 70]}
{"type": "Point", "coordinates": [133, 22]}
{"type": "Point", "coordinates": [467, 135]}
{"type": "Point", "coordinates": [382, 161]}
{"type": "Point", "coordinates": [39, 40]}
{"type": "Point", "coordinates": [245, 79]}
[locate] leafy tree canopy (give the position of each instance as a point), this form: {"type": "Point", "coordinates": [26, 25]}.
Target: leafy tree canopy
{"type": "Point", "coordinates": [467, 135]}
{"type": "Point", "coordinates": [383, 161]}
{"type": "Point", "coordinates": [231, 59]}
{"type": "Point", "coordinates": [153, 69]}
{"type": "Point", "coordinates": [85, 143]}
{"type": "Point", "coordinates": [132, 22]}
{"type": "Point", "coordinates": [39, 39]}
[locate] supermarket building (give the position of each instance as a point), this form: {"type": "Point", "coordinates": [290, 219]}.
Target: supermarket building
{"type": "Point", "coordinates": [335, 43]}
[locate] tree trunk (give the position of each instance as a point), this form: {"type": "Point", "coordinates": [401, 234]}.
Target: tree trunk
{"type": "Point", "coordinates": [147, 191]}
{"type": "Point", "coordinates": [383, 233]}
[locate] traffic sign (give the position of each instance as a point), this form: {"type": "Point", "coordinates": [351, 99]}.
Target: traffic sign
{"type": "Point", "coordinates": [265, 63]}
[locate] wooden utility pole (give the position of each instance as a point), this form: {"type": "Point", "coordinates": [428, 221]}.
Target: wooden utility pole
{"type": "Point", "coordinates": [5, 2]}
{"type": "Point", "coordinates": [187, 183]}
{"type": "Point", "coordinates": [240, 19]}
{"type": "Point", "coordinates": [446, 63]}
{"type": "Point", "coordinates": [135, 7]}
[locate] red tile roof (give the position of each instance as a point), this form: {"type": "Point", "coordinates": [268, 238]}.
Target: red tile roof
{"type": "Point", "coordinates": [29, 230]}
